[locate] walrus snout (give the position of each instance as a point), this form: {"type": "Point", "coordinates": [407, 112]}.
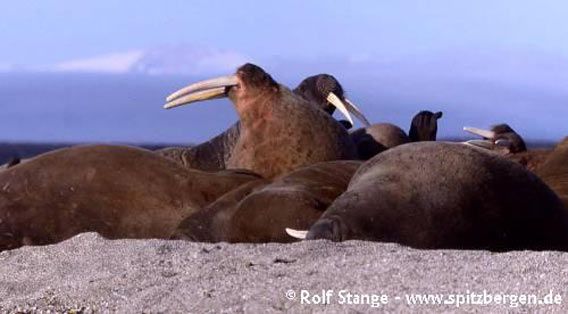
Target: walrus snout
{"type": "Point", "coordinates": [326, 228]}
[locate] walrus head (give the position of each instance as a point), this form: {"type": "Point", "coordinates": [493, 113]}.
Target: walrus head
{"type": "Point", "coordinates": [501, 138]}
{"type": "Point", "coordinates": [319, 88]}
{"type": "Point", "coordinates": [330, 228]}
{"type": "Point", "coordinates": [249, 81]}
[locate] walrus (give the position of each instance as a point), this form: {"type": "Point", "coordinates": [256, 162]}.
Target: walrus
{"type": "Point", "coordinates": [554, 171]}
{"type": "Point", "coordinates": [323, 91]}
{"type": "Point", "coordinates": [260, 210]}
{"type": "Point", "coordinates": [424, 126]}
{"type": "Point", "coordinates": [502, 139]}
{"type": "Point", "coordinates": [376, 138]}
{"type": "Point", "coordinates": [279, 130]}
{"type": "Point", "coordinates": [437, 195]}
{"type": "Point", "coordinates": [117, 191]}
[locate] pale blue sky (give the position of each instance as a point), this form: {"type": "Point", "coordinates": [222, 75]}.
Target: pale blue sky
{"type": "Point", "coordinates": [43, 32]}
{"type": "Point", "coordinates": [480, 61]}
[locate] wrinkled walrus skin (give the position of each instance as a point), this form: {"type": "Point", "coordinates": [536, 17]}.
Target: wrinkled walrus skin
{"type": "Point", "coordinates": [446, 195]}
{"type": "Point", "coordinates": [259, 211]}
{"type": "Point", "coordinates": [118, 191]}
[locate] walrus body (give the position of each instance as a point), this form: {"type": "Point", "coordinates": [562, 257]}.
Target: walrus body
{"type": "Point", "coordinates": [208, 156]}
{"type": "Point", "coordinates": [377, 138]}
{"type": "Point", "coordinates": [446, 195]}
{"type": "Point", "coordinates": [259, 211]}
{"type": "Point", "coordinates": [118, 191]}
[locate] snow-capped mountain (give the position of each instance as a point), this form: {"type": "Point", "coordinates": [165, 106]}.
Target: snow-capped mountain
{"type": "Point", "coordinates": [179, 59]}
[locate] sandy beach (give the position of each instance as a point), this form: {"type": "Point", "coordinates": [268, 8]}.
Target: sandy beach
{"type": "Point", "coordinates": [90, 274]}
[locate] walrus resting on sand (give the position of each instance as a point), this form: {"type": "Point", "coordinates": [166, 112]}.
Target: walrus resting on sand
{"type": "Point", "coordinates": [117, 191]}
{"type": "Point", "coordinates": [260, 210]}
{"type": "Point", "coordinates": [446, 195]}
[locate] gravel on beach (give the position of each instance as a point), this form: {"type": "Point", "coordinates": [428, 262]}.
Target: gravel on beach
{"type": "Point", "coordinates": [90, 274]}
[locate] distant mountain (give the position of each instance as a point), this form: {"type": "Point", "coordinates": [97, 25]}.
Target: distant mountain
{"type": "Point", "coordinates": [163, 60]}
{"type": "Point", "coordinates": [512, 67]}
{"type": "Point", "coordinates": [187, 60]}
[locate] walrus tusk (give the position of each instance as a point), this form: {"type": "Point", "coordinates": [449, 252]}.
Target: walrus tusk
{"type": "Point", "coordinates": [298, 234]}
{"type": "Point", "coordinates": [196, 96]}
{"type": "Point", "coordinates": [486, 144]}
{"type": "Point", "coordinates": [357, 112]}
{"type": "Point", "coordinates": [503, 143]}
{"type": "Point", "coordinates": [480, 132]}
{"type": "Point", "coordinates": [337, 103]}
{"type": "Point", "coordinates": [222, 81]}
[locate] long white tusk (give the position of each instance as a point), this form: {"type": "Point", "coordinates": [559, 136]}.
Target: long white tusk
{"type": "Point", "coordinates": [196, 96]}
{"type": "Point", "coordinates": [298, 234]}
{"type": "Point", "coordinates": [335, 101]}
{"type": "Point", "coordinates": [222, 81]}
{"type": "Point", "coordinates": [357, 112]}
{"type": "Point", "coordinates": [480, 132]}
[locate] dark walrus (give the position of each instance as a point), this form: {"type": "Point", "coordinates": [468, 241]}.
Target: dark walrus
{"type": "Point", "coordinates": [446, 195]}
{"type": "Point", "coordinates": [259, 211]}
{"type": "Point", "coordinates": [117, 191]}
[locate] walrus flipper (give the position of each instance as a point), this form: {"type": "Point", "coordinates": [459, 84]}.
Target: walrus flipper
{"type": "Point", "coordinates": [208, 156]}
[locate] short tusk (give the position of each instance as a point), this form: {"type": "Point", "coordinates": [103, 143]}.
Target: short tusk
{"type": "Point", "coordinates": [222, 81]}
{"type": "Point", "coordinates": [485, 144]}
{"type": "Point", "coordinates": [480, 132]}
{"type": "Point", "coordinates": [196, 96]}
{"type": "Point", "coordinates": [503, 143]}
{"type": "Point", "coordinates": [337, 103]}
{"type": "Point", "coordinates": [357, 112]}
{"type": "Point", "coordinates": [298, 234]}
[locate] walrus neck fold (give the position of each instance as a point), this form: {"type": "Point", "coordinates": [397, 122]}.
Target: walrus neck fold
{"type": "Point", "coordinates": [253, 109]}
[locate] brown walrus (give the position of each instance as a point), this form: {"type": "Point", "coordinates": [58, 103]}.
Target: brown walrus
{"type": "Point", "coordinates": [279, 130]}
{"type": "Point", "coordinates": [446, 195]}
{"type": "Point", "coordinates": [554, 171]}
{"type": "Point", "coordinates": [259, 211]}
{"type": "Point", "coordinates": [377, 138]}
{"type": "Point", "coordinates": [502, 139]}
{"type": "Point", "coordinates": [322, 91]}
{"type": "Point", "coordinates": [117, 191]}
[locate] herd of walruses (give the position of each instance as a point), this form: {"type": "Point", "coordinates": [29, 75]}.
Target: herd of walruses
{"type": "Point", "coordinates": [288, 170]}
